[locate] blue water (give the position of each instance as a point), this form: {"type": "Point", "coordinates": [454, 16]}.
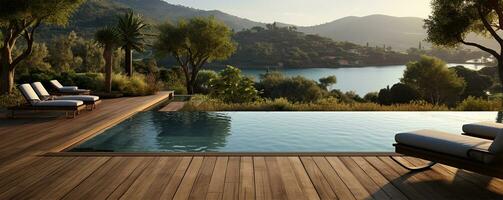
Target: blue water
{"type": "Point", "coordinates": [360, 80]}
{"type": "Point", "coordinates": [154, 131]}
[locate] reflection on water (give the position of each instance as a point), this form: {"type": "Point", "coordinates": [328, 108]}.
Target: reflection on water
{"type": "Point", "coordinates": [273, 131]}
{"type": "Point", "coordinates": [163, 131]}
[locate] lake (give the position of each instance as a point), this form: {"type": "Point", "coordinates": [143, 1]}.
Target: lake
{"type": "Point", "coordinates": [360, 80]}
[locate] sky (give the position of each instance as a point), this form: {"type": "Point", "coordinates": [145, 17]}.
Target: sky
{"type": "Point", "coordinates": [310, 12]}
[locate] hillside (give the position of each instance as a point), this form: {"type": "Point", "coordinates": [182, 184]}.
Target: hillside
{"type": "Point", "coordinates": [400, 33]}
{"type": "Point", "coordinates": [99, 13]}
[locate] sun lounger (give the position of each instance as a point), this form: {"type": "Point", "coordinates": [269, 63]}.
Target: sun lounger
{"type": "Point", "coordinates": [475, 154]}
{"type": "Point", "coordinates": [89, 100]}
{"type": "Point", "coordinates": [35, 103]}
{"type": "Point", "coordinates": [68, 90]}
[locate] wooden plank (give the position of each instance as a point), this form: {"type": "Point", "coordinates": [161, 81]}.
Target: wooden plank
{"type": "Point", "coordinates": [396, 179]}
{"type": "Point", "coordinates": [262, 182]}
{"type": "Point", "coordinates": [174, 183]}
{"type": "Point", "coordinates": [302, 177]}
{"type": "Point", "coordinates": [378, 178]}
{"type": "Point", "coordinates": [173, 107]}
{"type": "Point", "coordinates": [152, 181]}
{"type": "Point", "coordinates": [128, 181]}
{"type": "Point", "coordinates": [339, 187]}
{"type": "Point", "coordinates": [278, 190]}
{"type": "Point", "coordinates": [376, 191]}
{"type": "Point", "coordinates": [188, 180]}
{"type": "Point", "coordinates": [292, 186]}
{"type": "Point", "coordinates": [231, 187]}
{"type": "Point", "coordinates": [217, 183]}
{"type": "Point", "coordinates": [349, 179]}
{"type": "Point", "coordinates": [462, 187]}
{"type": "Point", "coordinates": [417, 180]}
{"type": "Point", "coordinates": [246, 182]}
{"type": "Point", "coordinates": [201, 185]}
{"type": "Point", "coordinates": [56, 185]}
{"type": "Point", "coordinates": [319, 181]}
{"type": "Point", "coordinates": [105, 179]}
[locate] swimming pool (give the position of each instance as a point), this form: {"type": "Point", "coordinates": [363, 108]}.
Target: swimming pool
{"type": "Point", "coordinates": [154, 131]}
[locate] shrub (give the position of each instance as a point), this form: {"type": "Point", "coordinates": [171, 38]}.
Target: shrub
{"type": "Point", "coordinates": [232, 87]}
{"type": "Point", "coordinates": [479, 104]}
{"type": "Point", "coordinates": [203, 79]}
{"type": "Point", "coordinates": [296, 89]}
{"type": "Point", "coordinates": [11, 100]}
{"type": "Point", "coordinates": [372, 97]}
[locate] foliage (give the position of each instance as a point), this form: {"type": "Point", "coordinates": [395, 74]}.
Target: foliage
{"type": "Point", "coordinates": [21, 19]}
{"type": "Point", "coordinates": [10, 100]}
{"type": "Point", "coordinates": [372, 97]}
{"type": "Point", "coordinates": [296, 89]}
{"type": "Point", "coordinates": [452, 21]}
{"type": "Point", "coordinates": [174, 80]}
{"type": "Point", "coordinates": [194, 43]}
{"type": "Point", "coordinates": [327, 104]}
{"type": "Point", "coordinates": [131, 35]}
{"type": "Point", "coordinates": [232, 87]}
{"type": "Point", "coordinates": [327, 82]}
{"type": "Point", "coordinates": [476, 84]}
{"type": "Point", "coordinates": [479, 104]}
{"type": "Point", "coordinates": [433, 80]}
{"type": "Point", "coordinates": [37, 60]}
{"type": "Point", "coordinates": [397, 94]}
{"type": "Point", "coordinates": [202, 85]}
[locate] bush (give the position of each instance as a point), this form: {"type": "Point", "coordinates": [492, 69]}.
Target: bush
{"type": "Point", "coordinates": [203, 80]}
{"type": "Point", "coordinates": [479, 104]}
{"type": "Point", "coordinates": [232, 87]}
{"type": "Point", "coordinates": [296, 89]}
{"type": "Point", "coordinates": [372, 97]}
{"type": "Point", "coordinates": [11, 100]}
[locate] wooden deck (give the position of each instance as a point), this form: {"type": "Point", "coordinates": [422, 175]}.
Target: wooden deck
{"type": "Point", "coordinates": [28, 172]}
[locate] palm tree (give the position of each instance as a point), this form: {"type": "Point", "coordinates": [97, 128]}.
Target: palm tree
{"type": "Point", "coordinates": [108, 38]}
{"type": "Point", "coordinates": [130, 29]}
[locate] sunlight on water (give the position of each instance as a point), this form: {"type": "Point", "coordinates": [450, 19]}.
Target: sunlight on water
{"type": "Point", "coordinates": [154, 131]}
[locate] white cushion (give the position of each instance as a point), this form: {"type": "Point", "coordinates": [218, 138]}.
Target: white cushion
{"type": "Point", "coordinates": [56, 83]}
{"type": "Point", "coordinates": [483, 129]}
{"type": "Point", "coordinates": [29, 93]}
{"type": "Point", "coordinates": [457, 145]}
{"type": "Point", "coordinates": [86, 98]}
{"type": "Point", "coordinates": [40, 89]}
{"type": "Point", "coordinates": [68, 89]}
{"type": "Point", "coordinates": [57, 103]}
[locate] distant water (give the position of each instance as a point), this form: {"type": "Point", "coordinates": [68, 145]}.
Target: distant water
{"type": "Point", "coordinates": [360, 80]}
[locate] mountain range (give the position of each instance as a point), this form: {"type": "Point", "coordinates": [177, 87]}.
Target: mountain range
{"type": "Point", "coordinates": [400, 33]}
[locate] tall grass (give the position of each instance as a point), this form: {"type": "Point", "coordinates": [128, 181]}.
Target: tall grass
{"type": "Point", "coordinates": [204, 104]}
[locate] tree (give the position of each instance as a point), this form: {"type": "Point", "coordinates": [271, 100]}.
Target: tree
{"type": "Point", "coordinates": [20, 19]}
{"type": "Point", "coordinates": [401, 94]}
{"type": "Point", "coordinates": [433, 80]}
{"type": "Point", "coordinates": [195, 43]}
{"type": "Point", "coordinates": [476, 84]}
{"type": "Point", "coordinates": [130, 30]}
{"type": "Point", "coordinates": [328, 81]}
{"type": "Point", "coordinates": [232, 87]}
{"type": "Point", "coordinates": [452, 20]}
{"type": "Point", "coordinates": [108, 38]}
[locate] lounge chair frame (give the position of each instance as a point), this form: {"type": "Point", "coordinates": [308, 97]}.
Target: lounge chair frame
{"type": "Point", "coordinates": [75, 110]}
{"type": "Point", "coordinates": [493, 169]}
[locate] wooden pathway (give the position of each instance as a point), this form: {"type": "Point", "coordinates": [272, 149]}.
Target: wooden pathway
{"type": "Point", "coordinates": [173, 107]}
{"type": "Point", "coordinates": [28, 172]}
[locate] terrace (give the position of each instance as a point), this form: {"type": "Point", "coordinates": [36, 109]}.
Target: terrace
{"type": "Point", "coordinates": [33, 166]}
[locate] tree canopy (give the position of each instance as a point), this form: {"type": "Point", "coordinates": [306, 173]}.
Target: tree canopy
{"type": "Point", "coordinates": [434, 81]}
{"type": "Point", "coordinates": [194, 43]}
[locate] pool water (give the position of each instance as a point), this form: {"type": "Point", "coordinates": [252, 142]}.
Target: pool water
{"type": "Point", "coordinates": [153, 131]}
